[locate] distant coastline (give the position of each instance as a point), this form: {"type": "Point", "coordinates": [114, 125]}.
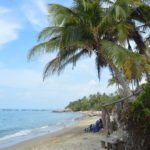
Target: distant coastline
{"type": "Point", "coordinates": [89, 113]}
{"type": "Point", "coordinates": [9, 109]}
{"type": "Point", "coordinates": [62, 110]}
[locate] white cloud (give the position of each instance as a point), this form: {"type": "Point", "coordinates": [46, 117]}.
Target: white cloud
{"type": "Point", "coordinates": [8, 31]}
{"type": "Point", "coordinates": [35, 12]}
{"type": "Point", "coordinates": [4, 10]}
{"type": "Point", "coordinates": [26, 86]}
{"type": "Point", "coordinates": [20, 78]}
{"type": "Point", "coordinates": [8, 26]}
{"type": "Point", "coordinates": [42, 6]}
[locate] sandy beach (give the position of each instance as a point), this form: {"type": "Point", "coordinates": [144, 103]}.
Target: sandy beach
{"type": "Point", "coordinates": [71, 138]}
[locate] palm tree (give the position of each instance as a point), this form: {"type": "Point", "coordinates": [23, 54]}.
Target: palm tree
{"type": "Point", "coordinates": [130, 20]}
{"type": "Point", "coordinates": [113, 81]}
{"type": "Point", "coordinates": [82, 31]}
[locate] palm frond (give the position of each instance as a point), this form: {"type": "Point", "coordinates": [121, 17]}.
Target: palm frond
{"type": "Point", "coordinates": [141, 13]}
{"type": "Point", "coordinates": [123, 31]}
{"type": "Point", "coordinates": [58, 64]}
{"type": "Point", "coordinates": [120, 13]}
{"type": "Point", "coordinates": [60, 13]}
{"type": "Point", "coordinates": [45, 47]}
{"type": "Point", "coordinates": [137, 37]}
{"type": "Point", "coordinates": [116, 53]}
{"type": "Point", "coordinates": [113, 81]}
{"type": "Point", "coordinates": [100, 63]}
{"type": "Point", "coordinates": [72, 33]}
{"type": "Point", "coordinates": [50, 32]}
{"type": "Point", "coordinates": [73, 59]}
{"type": "Point", "coordinates": [51, 67]}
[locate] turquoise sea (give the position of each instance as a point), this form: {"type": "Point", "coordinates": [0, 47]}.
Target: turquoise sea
{"type": "Point", "coordinates": [20, 125]}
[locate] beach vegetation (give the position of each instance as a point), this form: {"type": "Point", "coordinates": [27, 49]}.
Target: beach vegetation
{"type": "Point", "coordinates": [138, 114]}
{"type": "Point", "coordinates": [92, 102]}
{"type": "Point", "coordinates": [137, 121]}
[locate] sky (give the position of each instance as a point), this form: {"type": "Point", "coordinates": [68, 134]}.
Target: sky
{"type": "Point", "coordinates": [21, 84]}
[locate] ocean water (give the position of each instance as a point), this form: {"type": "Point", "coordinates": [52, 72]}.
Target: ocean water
{"type": "Point", "coordinates": [20, 125]}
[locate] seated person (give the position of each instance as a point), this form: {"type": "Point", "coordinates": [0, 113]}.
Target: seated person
{"type": "Point", "coordinates": [95, 127]}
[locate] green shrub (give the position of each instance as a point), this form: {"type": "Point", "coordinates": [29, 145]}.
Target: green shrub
{"type": "Point", "coordinates": [138, 114]}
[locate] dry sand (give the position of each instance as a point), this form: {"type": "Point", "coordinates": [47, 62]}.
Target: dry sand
{"type": "Point", "coordinates": [72, 138]}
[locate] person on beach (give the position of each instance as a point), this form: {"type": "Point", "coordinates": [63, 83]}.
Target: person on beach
{"type": "Point", "coordinates": [95, 127]}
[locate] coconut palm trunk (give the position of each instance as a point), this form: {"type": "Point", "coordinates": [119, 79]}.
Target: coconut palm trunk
{"type": "Point", "coordinates": [123, 82]}
{"type": "Point", "coordinates": [118, 73]}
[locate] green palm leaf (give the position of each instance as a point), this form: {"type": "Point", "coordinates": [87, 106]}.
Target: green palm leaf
{"type": "Point", "coordinates": [58, 64]}
{"type": "Point", "coordinates": [45, 47]}
{"type": "Point", "coordinates": [116, 52]}
{"type": "Point", "coordinates": [50, 32]}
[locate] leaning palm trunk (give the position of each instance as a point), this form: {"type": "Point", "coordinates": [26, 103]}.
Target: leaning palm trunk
{"type": "Point", "coordinates": [118, 73]}
{"type": "Point", "coordinates": [122, 80]}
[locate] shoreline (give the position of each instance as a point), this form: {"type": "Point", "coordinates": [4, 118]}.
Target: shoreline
{"type": "Point", "coordinates": [20, 136]}
{"type": "Point", "coordinates": [63, 139]}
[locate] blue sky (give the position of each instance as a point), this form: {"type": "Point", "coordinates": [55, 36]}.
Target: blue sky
{"type": "Point", "coordinates": [21, 84]}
